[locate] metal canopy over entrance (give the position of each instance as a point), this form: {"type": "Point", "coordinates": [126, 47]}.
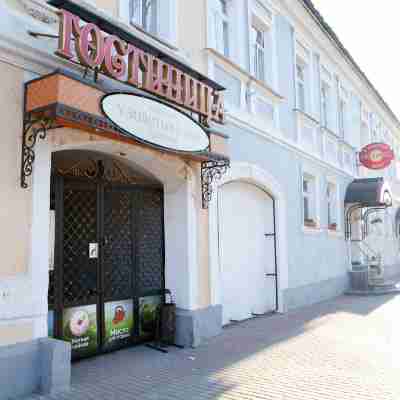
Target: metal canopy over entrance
{"type": "Point", "coordinates": [107, 277]}
{"type": "Point", "coordinates": [371, 192]}
{"type": "Point", "coordinates": [365, 196]}
{"type": "Point", "coordinates": [63, 100]}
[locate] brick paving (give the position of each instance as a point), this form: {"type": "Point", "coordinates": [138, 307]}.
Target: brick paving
{"type": "Point", "coordinates": [343, 349]}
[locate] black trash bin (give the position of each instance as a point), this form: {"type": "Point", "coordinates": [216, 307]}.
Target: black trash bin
{"type": "Point", "coordinates": [168, 320]}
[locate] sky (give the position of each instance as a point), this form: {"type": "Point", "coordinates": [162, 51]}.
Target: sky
{"type": "Point", "coordinates": [370, 31]}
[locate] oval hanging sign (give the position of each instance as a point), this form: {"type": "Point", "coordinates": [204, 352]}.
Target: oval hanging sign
{"type": "Point", "coordinates": [376, 156]}
{"type": "Point", "coordinates": [155, 123]}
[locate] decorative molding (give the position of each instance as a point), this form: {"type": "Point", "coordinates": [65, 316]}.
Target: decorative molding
{"type": "Point", "coordinates": [34, 129]}
{"type": "Point", "coordinates": [96, 169]}
{"type": "Point", "coordinates": [40, 11]}
{"type": "Point", "coordinates": [211, 171]}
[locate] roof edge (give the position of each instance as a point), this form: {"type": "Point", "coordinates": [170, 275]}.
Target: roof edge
{"type": "Point", "coordinates": [309, 6]}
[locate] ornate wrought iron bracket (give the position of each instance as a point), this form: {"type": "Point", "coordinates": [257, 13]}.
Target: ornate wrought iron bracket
{"type": "Point", "coordinates": [210, 171]}
{"type": "Point", "coordinates": [34, 129]}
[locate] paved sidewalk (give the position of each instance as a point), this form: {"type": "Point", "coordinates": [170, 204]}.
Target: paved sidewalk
{"type": "Point", "coordinates": [343, 349]}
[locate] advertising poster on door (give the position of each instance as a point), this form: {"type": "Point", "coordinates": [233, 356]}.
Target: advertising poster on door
{"type": "Point", "coordinates": [148, 309]}
{"type": "Point", "coordinates": [118, 322]}
{"type": "Point", "coordinates": [50, 324]}
{"type": "Point", "coordinates": [80, 329]}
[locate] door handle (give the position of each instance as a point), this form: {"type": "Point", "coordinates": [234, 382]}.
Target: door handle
{"type": "Point", "coordinates": [93, 250]}
{"type": "Point", "coordinates": [270, 275]}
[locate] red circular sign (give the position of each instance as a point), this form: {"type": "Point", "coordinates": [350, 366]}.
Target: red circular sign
{"type": "Point", "coordinates": [376, 156]}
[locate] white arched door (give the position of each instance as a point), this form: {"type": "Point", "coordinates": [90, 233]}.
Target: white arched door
{"type": "Point", "coordinates": [247, 251]}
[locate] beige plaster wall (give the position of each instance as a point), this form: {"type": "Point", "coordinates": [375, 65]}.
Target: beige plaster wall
{"type": "Point", "coordinates": [192, 34]}
{"type": "Point", "coordinates": [110, 6]}
{"type": "Point", "coordinates": [15, 333]}
{"type": "Point", "coordinates": [15, 203]}
{"type": "Point", "coordinates": [204, 288]}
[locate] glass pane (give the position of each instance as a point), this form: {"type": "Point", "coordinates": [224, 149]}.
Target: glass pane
{"type": "Point", "coordinates": [305, 186]}
{"type": "Point", "coordinates": [301, 96]}
{"type": "Point", "coordinates": [306, 209]}
{"type": "Point", "coordinates": [300, 72]}
{"type": "Point", "coordinates": [136, 12]}
{"type": "Point", "coordinates": [150, 15]}
{"type": "Point", "coordinates": [225, 29]}
{"type": "Point", "coordinates": [223, 7]}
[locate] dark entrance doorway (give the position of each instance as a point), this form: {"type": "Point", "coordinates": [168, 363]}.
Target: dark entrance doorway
{"type": "Point", "coordinates": [107, 278]}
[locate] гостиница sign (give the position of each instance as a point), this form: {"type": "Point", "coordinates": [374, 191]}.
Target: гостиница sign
{"type": "Point", "coordinates": [154, 122]}
{"type": "Point", "coordinates": [92, 48]}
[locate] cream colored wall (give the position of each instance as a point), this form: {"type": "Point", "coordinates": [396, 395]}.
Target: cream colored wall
{"type": "Point", "coordinates": [204, 285]}
{"type": "Point", "coordinates": [15, 333]}
{"type": "Point", "coordinates": [15, 203]}
{"type": "Point", "coordinates": [192, 34]}
{"type": "Point", "coordinates": [192, 39]}
{"type": "Point", "coordinates": [110, 6]}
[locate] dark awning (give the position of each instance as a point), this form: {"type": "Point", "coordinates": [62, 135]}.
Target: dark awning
{"type": "Point", "coordinates": [369, 192]}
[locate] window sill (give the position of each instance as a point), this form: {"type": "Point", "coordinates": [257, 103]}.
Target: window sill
{"type": "Point", "coordinates": [245, 76]}
{"type": "Point", "coordinates": [305, 115]}
{"type": "Point", "coordinates": [335, 233]}
{"type": "Point", "coordinates": [330, 132]}
{"type": "Point", "coordinates": [159, 39]}
{"type": "Point", "coordinates": [308, 230]}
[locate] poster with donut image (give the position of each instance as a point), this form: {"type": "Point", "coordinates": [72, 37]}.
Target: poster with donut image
{"type": "Point", "coordinates": [80, 329]}
{"type": "Point", "coordinates": [119, 322]}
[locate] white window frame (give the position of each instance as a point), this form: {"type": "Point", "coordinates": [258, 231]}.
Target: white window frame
{"type": "Point", "coordinates": [139, 19]}
{"type": "Point", "coordinates": [301, 81]}
{"type": "Point", "coordinates": [333, 197]}
{"type": "Point", "coordinates": [303, 57]}
{"type": "Point", "coordinates": [343, 111]}
{"type": "Point", "coordinates": [313, 199]}
{"type": "Point", "coordinates": [222, 28]}
{"type": "Point", "coordinates": [326, 102]}
{"type": "Point", "coordinates": [167, 20]}
{"type": "Point", "coordinates": [258, 53]}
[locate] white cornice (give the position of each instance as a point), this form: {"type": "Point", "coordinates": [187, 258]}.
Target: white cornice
{"type": "Point", "coordinates": [277, 137]}
{"type": "Point", "coordinates": [39, 10]}
{"type": "Point", "coordinates": [302, 21]}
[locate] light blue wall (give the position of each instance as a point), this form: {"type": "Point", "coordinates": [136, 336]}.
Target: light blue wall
{"type": "Point", "coordinates": [286, 83]}
{"type": "Point", "coordinates": [312, 257]}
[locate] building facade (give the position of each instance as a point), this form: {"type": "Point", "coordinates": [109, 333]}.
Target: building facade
{"type": "Point", "coordinates": [95, 225]}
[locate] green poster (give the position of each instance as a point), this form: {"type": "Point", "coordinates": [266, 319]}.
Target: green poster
{"type": "Point", "coordinates": [118, 321]}
{"type": "Point", "coordinates": [148, 309]}
{"type": "Point", "coordinates": [80, 329]}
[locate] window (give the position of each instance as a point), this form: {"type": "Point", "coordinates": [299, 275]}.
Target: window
{"type": "Point", "coordinates": [342, 116]}
{"type": "Point", "coordinates": [258, 40]}
{"type": "Point", "coordinates": [325, 92]}
{"type": "Point", "coordinates": [309, 201]}
{"type": "Point", "coordinates": [331, 196]}
{"type": "Point", "coordinates": [301, 86]}
{"type": "Point", "coordinates": [221, 26]}
{"type": "Point", "coordinates": [145, 14]}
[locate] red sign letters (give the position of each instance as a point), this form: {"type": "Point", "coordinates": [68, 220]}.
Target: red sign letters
{"type": "Point", "coordinates": [123, 61]}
